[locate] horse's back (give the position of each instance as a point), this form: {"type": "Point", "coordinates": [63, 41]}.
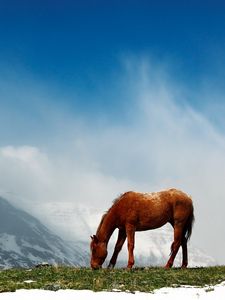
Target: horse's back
{"type": "Point", "coordinates": [172, 196]}
{"type": "Point", "coordinates": [152, 210]}
{"type": "Point", "coordinates": [143, 210]}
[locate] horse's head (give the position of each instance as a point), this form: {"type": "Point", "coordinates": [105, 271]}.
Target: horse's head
{"type": "Point", "coordinates": [98, 252]}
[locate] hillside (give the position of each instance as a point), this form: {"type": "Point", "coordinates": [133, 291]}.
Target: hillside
{"type": "Point", "coordinates": [25, 241]}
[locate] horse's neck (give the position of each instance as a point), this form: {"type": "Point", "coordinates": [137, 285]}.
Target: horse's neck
{"type": "Point", "coordinates": [106, 229]}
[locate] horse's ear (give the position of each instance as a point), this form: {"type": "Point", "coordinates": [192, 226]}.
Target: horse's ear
{"type": "Point", "coordinates": [94, 238]}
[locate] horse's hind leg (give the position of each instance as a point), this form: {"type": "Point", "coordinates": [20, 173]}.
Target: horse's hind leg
{"type": "Point", "coordinates": [178, 230]}
{"type": "Point", "coordinates": [185, 253]}
{"type": "Point", "coordinates": [119, 244]}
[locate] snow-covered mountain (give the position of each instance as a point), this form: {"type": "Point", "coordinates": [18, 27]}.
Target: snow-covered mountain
{"type": "Point", "coordinates": [25, 242]}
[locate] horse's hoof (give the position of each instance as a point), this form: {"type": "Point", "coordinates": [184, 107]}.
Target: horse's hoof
{"type": "Point", "coordinates": [110, 266]}
{"type": "Point", "coordinates": [184, 267]}
{"type": "Point", "coordinates": [167, 267]}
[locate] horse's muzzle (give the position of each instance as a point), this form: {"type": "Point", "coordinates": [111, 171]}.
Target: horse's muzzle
{"type": "Point", "coordinates": [96, 267]}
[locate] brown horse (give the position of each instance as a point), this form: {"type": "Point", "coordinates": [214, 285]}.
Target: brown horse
{"type": "Point", "coordinates": [134, 211]}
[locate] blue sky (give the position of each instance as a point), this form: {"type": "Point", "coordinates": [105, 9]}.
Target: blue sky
{"type": "Point", "coordinates": [116, 95]}
{"type": "Point", "coordinates": [73, 42]}
{"type": "Point", "coordinates": [79, 47]}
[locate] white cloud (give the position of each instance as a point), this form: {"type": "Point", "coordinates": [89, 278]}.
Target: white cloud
{"type": "Point", "coordinates": [25, 154]}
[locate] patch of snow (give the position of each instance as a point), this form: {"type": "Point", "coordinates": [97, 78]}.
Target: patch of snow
{"type": "Point", "coordinates": [8, 243]}
{"type": "Point", "coordinates": [184, 293]}
{"type": "Point", "coordinates": [33, 246]}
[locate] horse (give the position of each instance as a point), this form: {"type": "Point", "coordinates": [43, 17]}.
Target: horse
{"type": "Point", "coordinates": [134, 211]}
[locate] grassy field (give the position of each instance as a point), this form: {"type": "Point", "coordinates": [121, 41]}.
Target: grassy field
{"type": "Point", "coordinates": [145, 280]}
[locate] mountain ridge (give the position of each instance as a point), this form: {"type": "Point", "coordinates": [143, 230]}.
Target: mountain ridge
{"type": "Point", "coordinates": [25, 241]}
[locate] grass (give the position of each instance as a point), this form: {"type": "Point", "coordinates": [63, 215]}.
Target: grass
{"type": "Point", "coordinates": [138, 279]}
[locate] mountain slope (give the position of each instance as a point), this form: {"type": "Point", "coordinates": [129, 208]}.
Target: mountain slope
{"type": "Point", "coordinates": [25, 241]}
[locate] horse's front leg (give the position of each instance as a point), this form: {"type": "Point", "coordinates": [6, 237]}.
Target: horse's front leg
{"type": "Point", "coordinates": [130, 231]}
{"type": "Point", "coordinates": [119, 244]}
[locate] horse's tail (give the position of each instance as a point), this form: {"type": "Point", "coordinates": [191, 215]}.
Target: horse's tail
{"type": "Point", "coordinates": [189, 225]}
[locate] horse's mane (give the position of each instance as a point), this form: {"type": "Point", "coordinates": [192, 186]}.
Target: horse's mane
{"type": "Point", "coordinates": [105, 214]}
{"type": "Point", "coordinates": [99, 226]}
{"type": "Point", "coordinates": [116, 200]}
